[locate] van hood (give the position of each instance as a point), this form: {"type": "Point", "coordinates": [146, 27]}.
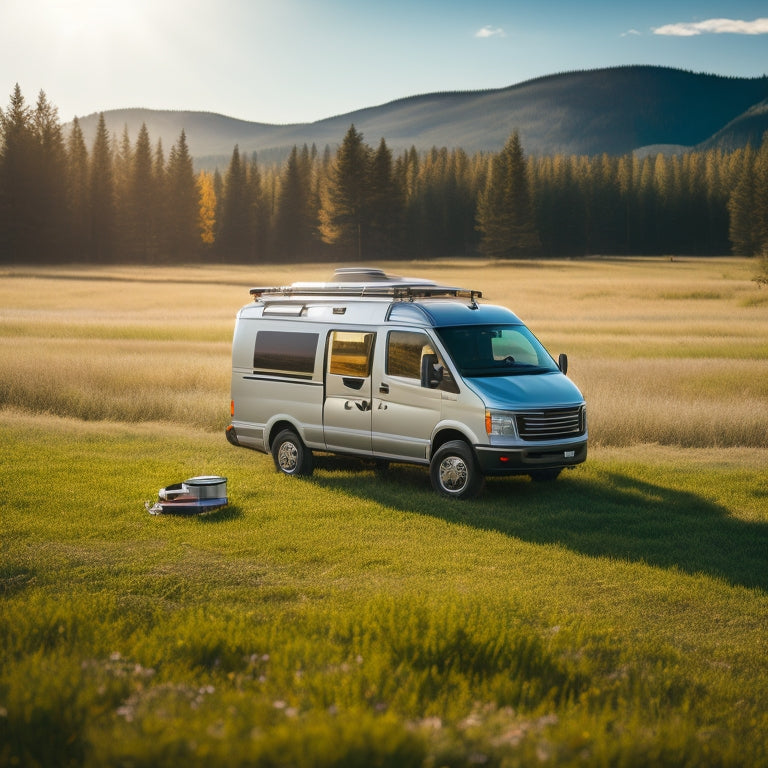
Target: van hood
{"type": "Point", "coordinates": [543, 390]}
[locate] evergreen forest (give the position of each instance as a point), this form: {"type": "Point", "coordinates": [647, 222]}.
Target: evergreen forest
{"type": "Point", "coordinates": [129, 200]}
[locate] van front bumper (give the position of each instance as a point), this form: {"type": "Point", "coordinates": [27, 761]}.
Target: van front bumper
{"type": "Point", "coordinates": [520, 461]}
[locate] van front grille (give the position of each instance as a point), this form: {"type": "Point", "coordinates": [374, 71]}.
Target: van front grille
{"type": "Point", "coordinates": [552, 424]}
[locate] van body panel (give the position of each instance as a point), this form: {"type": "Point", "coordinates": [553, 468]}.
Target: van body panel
{"type": "Point", "coordinates": [404, 418]}
{"type": "Point", "coordinates": [347, 414]}
{"type": "Point", "coordinates": [543, 390]}
{"type": "Point", "coordinates": [260, 403]}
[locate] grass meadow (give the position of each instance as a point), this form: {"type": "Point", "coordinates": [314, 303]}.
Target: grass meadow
{"type": "Point", "coordinates": [617, 617]}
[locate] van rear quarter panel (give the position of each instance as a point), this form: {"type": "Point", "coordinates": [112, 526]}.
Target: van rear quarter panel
{"type": "Point", "coordinates": [262, 399]}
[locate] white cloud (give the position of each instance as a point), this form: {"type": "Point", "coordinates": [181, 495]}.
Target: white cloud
{"type": "Point", "coordinates": [489, 31]}
{"type": "Point", "coordinates": [630, 33]}
{"type": "Point", "coordinates": [714, 26]}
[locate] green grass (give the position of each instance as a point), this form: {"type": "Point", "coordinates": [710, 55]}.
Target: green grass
{"type": "Point", "coordinates": [616, 617]}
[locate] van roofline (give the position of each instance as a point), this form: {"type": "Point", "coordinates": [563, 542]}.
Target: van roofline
{"type": "Point", "coordinates": [378, 283]}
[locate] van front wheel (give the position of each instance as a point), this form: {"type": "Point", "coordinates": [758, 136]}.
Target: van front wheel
{"type": "Point", "coordinates": [454, 472]}
{"type": "Point", "coordinates": [291, 456]}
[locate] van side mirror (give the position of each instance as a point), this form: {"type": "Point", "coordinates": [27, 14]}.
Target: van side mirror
{"type": "Point", "coordinates": [562, 362]}
{"type": "Point", "coordinates": [431, 371]}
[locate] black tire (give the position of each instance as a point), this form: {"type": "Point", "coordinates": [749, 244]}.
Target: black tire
{"type": "Point", "coordinates": [545, 475]}
{"type": "Point", "coordinates": [291, 456]}
{"type": "Point", "coordinates": [454, 471]}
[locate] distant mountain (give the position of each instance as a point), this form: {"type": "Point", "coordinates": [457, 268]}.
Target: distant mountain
{"type": "Point", "coordinates": [747, 128]}
{"type": "Point", "coordinates": [615, 110]}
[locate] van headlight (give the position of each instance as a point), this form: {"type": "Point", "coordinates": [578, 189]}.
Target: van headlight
{"type": "Point", "coordinates": [501, 423]}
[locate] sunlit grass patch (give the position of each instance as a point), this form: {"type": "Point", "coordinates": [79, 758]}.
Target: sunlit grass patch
{"type": "Point", "coordinates": [585, 345]}
{"type": "Point", "coordinates": [138, 345]}
{"type": "Point", "coordinates": [692, 295]}
{"type": "Point", "coordinates": [755, 300]}
{"type": "Point", "coordinates": [34, 326]}
{"type": "Point", "coordinates": [362, 614]}
{"type": "Point", "coordinates": [691, 403]}
{"type": "Point", "coordinates": [94, 379]}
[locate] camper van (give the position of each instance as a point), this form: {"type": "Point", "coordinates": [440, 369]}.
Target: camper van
{"type": "Point", "coordinates": [395, 369]}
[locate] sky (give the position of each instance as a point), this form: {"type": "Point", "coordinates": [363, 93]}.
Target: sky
{"type": "Point", "coordinates": [297, 61]}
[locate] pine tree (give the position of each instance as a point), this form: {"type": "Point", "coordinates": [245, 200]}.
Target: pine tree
{"type": "Point", "coordinates": [626, 175]}
{"type": "Point", "coordinates": [434, 239]}
{"type": "Point", "coordinates": [258, 213]}
{"type": "Point", "coordinates": [234, 229]}
{"type": "Point", "coordinates": [716, 194]}
{"type": "Point", "coordinates": [50, 171]}
{"type": "Point", "coordinates": [183, 202]}
{"type": "Point", "coordinates": [559, 206]}
{"type": "Point", "coordinates": [122, 172]}
{"type": "Point", "coordinates": [646, 207]}
{"type": "Point", "coordinates": [407, 178]}
{"type": "Point", "coordinates": [386, 206]}
{"type": "Point", "coordinates": [78, 209]}
{"type": "Point", "coordinates": [17, 189]}
{"type": "Point", "coordinates": [294, 219]}
{"type": "Point", "coordinates": [344, 216]}
{"type": "Point", "coordinates": [741, 206]}
{"type": "Point", "coordinates": [102, 203]}
{"type": "Point", "coordinates": [141, 214]}
{"type": "Point", "coordinates": [218, 191]}
{"type": "Point", "coordinates": [505, 213]}
{"type": "Point", "coordinates": [461, 205]}
{"type": "Point", "coordinates": [160, 199]}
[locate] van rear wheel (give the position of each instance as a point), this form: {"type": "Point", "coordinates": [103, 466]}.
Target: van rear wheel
{"type": "Point", "coordinates": [454, 472]}
{"type": "Point", "coordinates": [291, 456]}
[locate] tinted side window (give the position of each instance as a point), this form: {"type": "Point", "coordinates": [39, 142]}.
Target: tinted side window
{"type": "Point", "coordinates": [286, 352]}
{"type": "Point", "coordinates": [406, 351]}
{"type": "Point", "coordinates": [350, 353]}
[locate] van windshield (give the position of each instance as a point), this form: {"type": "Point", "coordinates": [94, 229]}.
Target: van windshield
{"type": "Point", "coordinates": [496, 350]}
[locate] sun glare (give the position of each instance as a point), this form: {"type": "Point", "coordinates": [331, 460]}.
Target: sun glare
{"type": "Point", "coordinates": [88, 21]}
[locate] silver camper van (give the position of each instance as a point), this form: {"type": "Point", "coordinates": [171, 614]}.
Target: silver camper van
{"type": "Point", "coordinates": [396, 369]}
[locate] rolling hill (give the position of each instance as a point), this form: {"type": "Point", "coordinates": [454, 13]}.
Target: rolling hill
{"type": "Point", "coordinates": [615, 110]}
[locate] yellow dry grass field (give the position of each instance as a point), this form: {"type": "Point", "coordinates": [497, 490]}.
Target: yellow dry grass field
{"type": "Point", "coordinates": [666, 351]}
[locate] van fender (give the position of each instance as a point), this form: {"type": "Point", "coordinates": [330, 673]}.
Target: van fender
{"type": "Point", "coordinates": [446, 431]}
{"type": "Point", "coordinates": [281, 421]}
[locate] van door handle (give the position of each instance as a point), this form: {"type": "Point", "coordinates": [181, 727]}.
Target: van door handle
{"type": "Point", "coordinates": [384, 389]}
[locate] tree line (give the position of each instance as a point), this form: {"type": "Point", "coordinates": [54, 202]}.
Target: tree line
{"type": "Point", "coordinates": [124, 201]}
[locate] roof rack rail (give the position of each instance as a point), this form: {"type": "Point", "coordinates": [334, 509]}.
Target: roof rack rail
{"type": "Point", "coordinates": [375, 282]}
{"type": "Point", "coordinates": [402, 291]}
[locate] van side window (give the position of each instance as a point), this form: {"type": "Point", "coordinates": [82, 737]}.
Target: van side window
{"type": "Point", "coordinates": [349, 353]}
{"type": "Point", "coordinates": [411, 355]}
{"type": "Point", "coordinates": [287, 352]}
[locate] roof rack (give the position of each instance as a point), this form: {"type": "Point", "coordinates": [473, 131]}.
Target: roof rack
{"type": "Point", "coordinates": [375, 282]}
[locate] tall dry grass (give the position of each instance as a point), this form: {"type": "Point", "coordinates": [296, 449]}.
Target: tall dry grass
{"type": "Point", "coordinates": [666, 351]}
